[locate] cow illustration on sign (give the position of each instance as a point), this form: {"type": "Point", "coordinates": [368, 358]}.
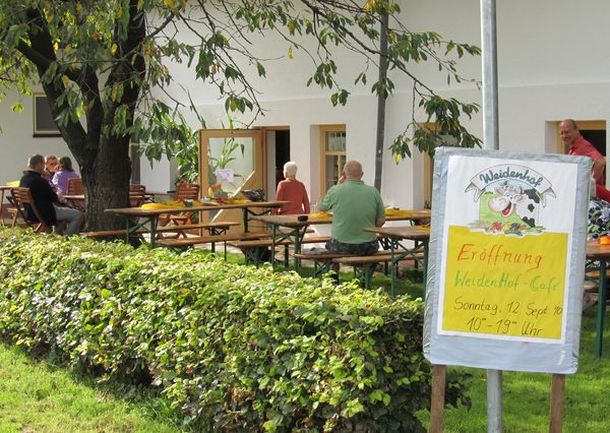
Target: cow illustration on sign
{"type": "Point", "coordinates": [510, 198]}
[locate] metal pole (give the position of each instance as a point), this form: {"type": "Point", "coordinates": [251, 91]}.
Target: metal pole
{"type": "Point", "coordinates": [494, 401]}
{"type": "Point", "coordinates": [490, 74]}
{"type": "Point", "coordinates": [490, 140]}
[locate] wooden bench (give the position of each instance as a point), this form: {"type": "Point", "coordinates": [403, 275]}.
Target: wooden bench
{"type": "Point", "coordinates": [113, 234]}
{"type": "Point", "coordinates": [253, 249]}
{"type": "Point", "coordinates": [213, 239]}
{"type": "Point", "coordinates": [364, 266]}
{"type": "Point", "coordinates": [213, 228]}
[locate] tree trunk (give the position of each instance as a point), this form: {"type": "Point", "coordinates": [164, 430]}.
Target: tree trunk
{"type": "Point", "coordinates": [381, 100]}
{"type": "Point", "coordinates": [106, 181]}
{"type": "Point", "coordinates": [103, 160]}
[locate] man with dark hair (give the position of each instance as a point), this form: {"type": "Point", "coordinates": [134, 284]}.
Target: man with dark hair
{"type": "Point", "coordinates": [46, 200]}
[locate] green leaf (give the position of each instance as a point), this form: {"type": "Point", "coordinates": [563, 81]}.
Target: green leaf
{"type": "Point", "coordinates": [261, 69]}
{"type": "Point", "coordinates": [353, 407]}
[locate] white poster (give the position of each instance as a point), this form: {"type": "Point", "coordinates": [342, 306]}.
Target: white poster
{"type": "Point", "coordinates": [504, 282]}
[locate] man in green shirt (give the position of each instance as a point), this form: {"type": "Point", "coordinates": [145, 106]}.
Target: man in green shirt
{"type": "Point", "coordinates": [355, 206]}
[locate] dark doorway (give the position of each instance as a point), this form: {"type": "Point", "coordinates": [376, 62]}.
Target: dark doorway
{"type": "Point", "coordinates": [597, 137]}
{"type": "Point", "coordinates": [282, 153]}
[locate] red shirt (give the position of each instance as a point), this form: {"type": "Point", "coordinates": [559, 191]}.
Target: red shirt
{"type": "Point", "coordinates": [294, 192]}
{"type": "Point", "coordinates": [582, 147]}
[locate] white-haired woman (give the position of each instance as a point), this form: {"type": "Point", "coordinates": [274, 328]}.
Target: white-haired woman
{"type": "Point", "coordinates": [290, 189]}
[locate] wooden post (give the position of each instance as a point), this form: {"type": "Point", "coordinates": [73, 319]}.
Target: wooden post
{"type": "Point", "coordinates": [558, 382]}
{"type": "Point", "coordinates": [438, 398]}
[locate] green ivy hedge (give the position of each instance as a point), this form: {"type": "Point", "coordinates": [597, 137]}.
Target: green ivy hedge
{"type": "Point", "coordinates": [236, 349]}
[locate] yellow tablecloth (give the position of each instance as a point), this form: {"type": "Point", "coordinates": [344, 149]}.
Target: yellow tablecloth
{"type": "Point", "coordinates": [172, 204]}
{"type": "Point", "coordinates": [389, 211]}
{"type": "Point", "coordinates": [320, 215]}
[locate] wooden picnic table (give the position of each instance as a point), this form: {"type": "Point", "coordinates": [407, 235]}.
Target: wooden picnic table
{"type": "Point", "coordinates": [392, 238]}
{"type": "Point", "coordinates": [600, 253]}
{"type": "Point", "coordinates": [81, 197]}
{"type": "Point", "coordinates": [150, 217]}
{"type": "Point", "coordinates": [296, 229]}
{"type": "Point", "coordinates": [297, 225]}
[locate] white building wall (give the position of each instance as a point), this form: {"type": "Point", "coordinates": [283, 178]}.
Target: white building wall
{"type": "Point", "coordinates": [552, 64]}
{"type": "Point", "coordinates": [17, 143]}
{"type": "Point", "coordinates": [158, 176]}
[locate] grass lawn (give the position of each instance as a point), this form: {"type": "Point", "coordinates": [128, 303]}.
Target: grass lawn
{"type": "Point", "coordinates": [36, 397]}
{"type": "Point", "coordinates": [526, 396]}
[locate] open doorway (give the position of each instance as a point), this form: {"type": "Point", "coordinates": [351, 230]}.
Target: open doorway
{"type": "Point", "coordinates": [596, 137]}
{"type": "Point", "coordinates": [282, 154]}
{"type": "Point", "coordinates": [277, 144]}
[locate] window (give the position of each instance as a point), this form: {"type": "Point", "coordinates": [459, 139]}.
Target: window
{"type": "Point", "coordinates": [332, 160]}
{"type": "Point", "coordinates": [447, 140]}
{"type": "Point", "coordinates": [44, 125]}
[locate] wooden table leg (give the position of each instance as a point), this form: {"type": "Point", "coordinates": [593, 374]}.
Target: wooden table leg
{"type": "Point", "coordinates": [601, 308]}
{"type": "Point", "coordinates": [274, 229]}
{"type": "Point", "coordinates": [2, 208]}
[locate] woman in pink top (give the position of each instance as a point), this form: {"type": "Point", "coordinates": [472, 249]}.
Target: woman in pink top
{"type": "Point", "coordinates": [65, 173]}
{"type": "Point", "coordinates": [290, 189]}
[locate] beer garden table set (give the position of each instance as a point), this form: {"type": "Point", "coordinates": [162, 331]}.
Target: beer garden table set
{"type": "Point", "coordinates": [294, 227]}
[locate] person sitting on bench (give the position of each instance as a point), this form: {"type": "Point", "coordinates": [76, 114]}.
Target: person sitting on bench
{"type": "Point", "coordinates": [292, 190]}
{"type": "Point", "coordinates": [355, 206]}
{"type": "Point", "coordinates": [46, 200]}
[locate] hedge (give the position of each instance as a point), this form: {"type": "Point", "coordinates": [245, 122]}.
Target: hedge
{"type": "Point", "coordinates": [234, 348]}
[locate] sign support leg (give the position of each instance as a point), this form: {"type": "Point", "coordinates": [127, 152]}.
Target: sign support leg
{"type": "Point", "coordinates": [438, 398]}
{"type": "Point", "coordinates": [494, 401]}
{"type": "Point", "coordinates": [558, 387]}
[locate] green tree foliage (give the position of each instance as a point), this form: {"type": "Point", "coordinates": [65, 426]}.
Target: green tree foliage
{"type": "Point", "coordinates": [104, 65]}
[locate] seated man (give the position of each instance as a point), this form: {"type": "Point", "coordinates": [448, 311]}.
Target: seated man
{"type": "Point", "coordinates": [46, 200]}
{"type": "Point", "coordinates": [355, 206]}
{"type": "Point", "coordinates": [577, 145]}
